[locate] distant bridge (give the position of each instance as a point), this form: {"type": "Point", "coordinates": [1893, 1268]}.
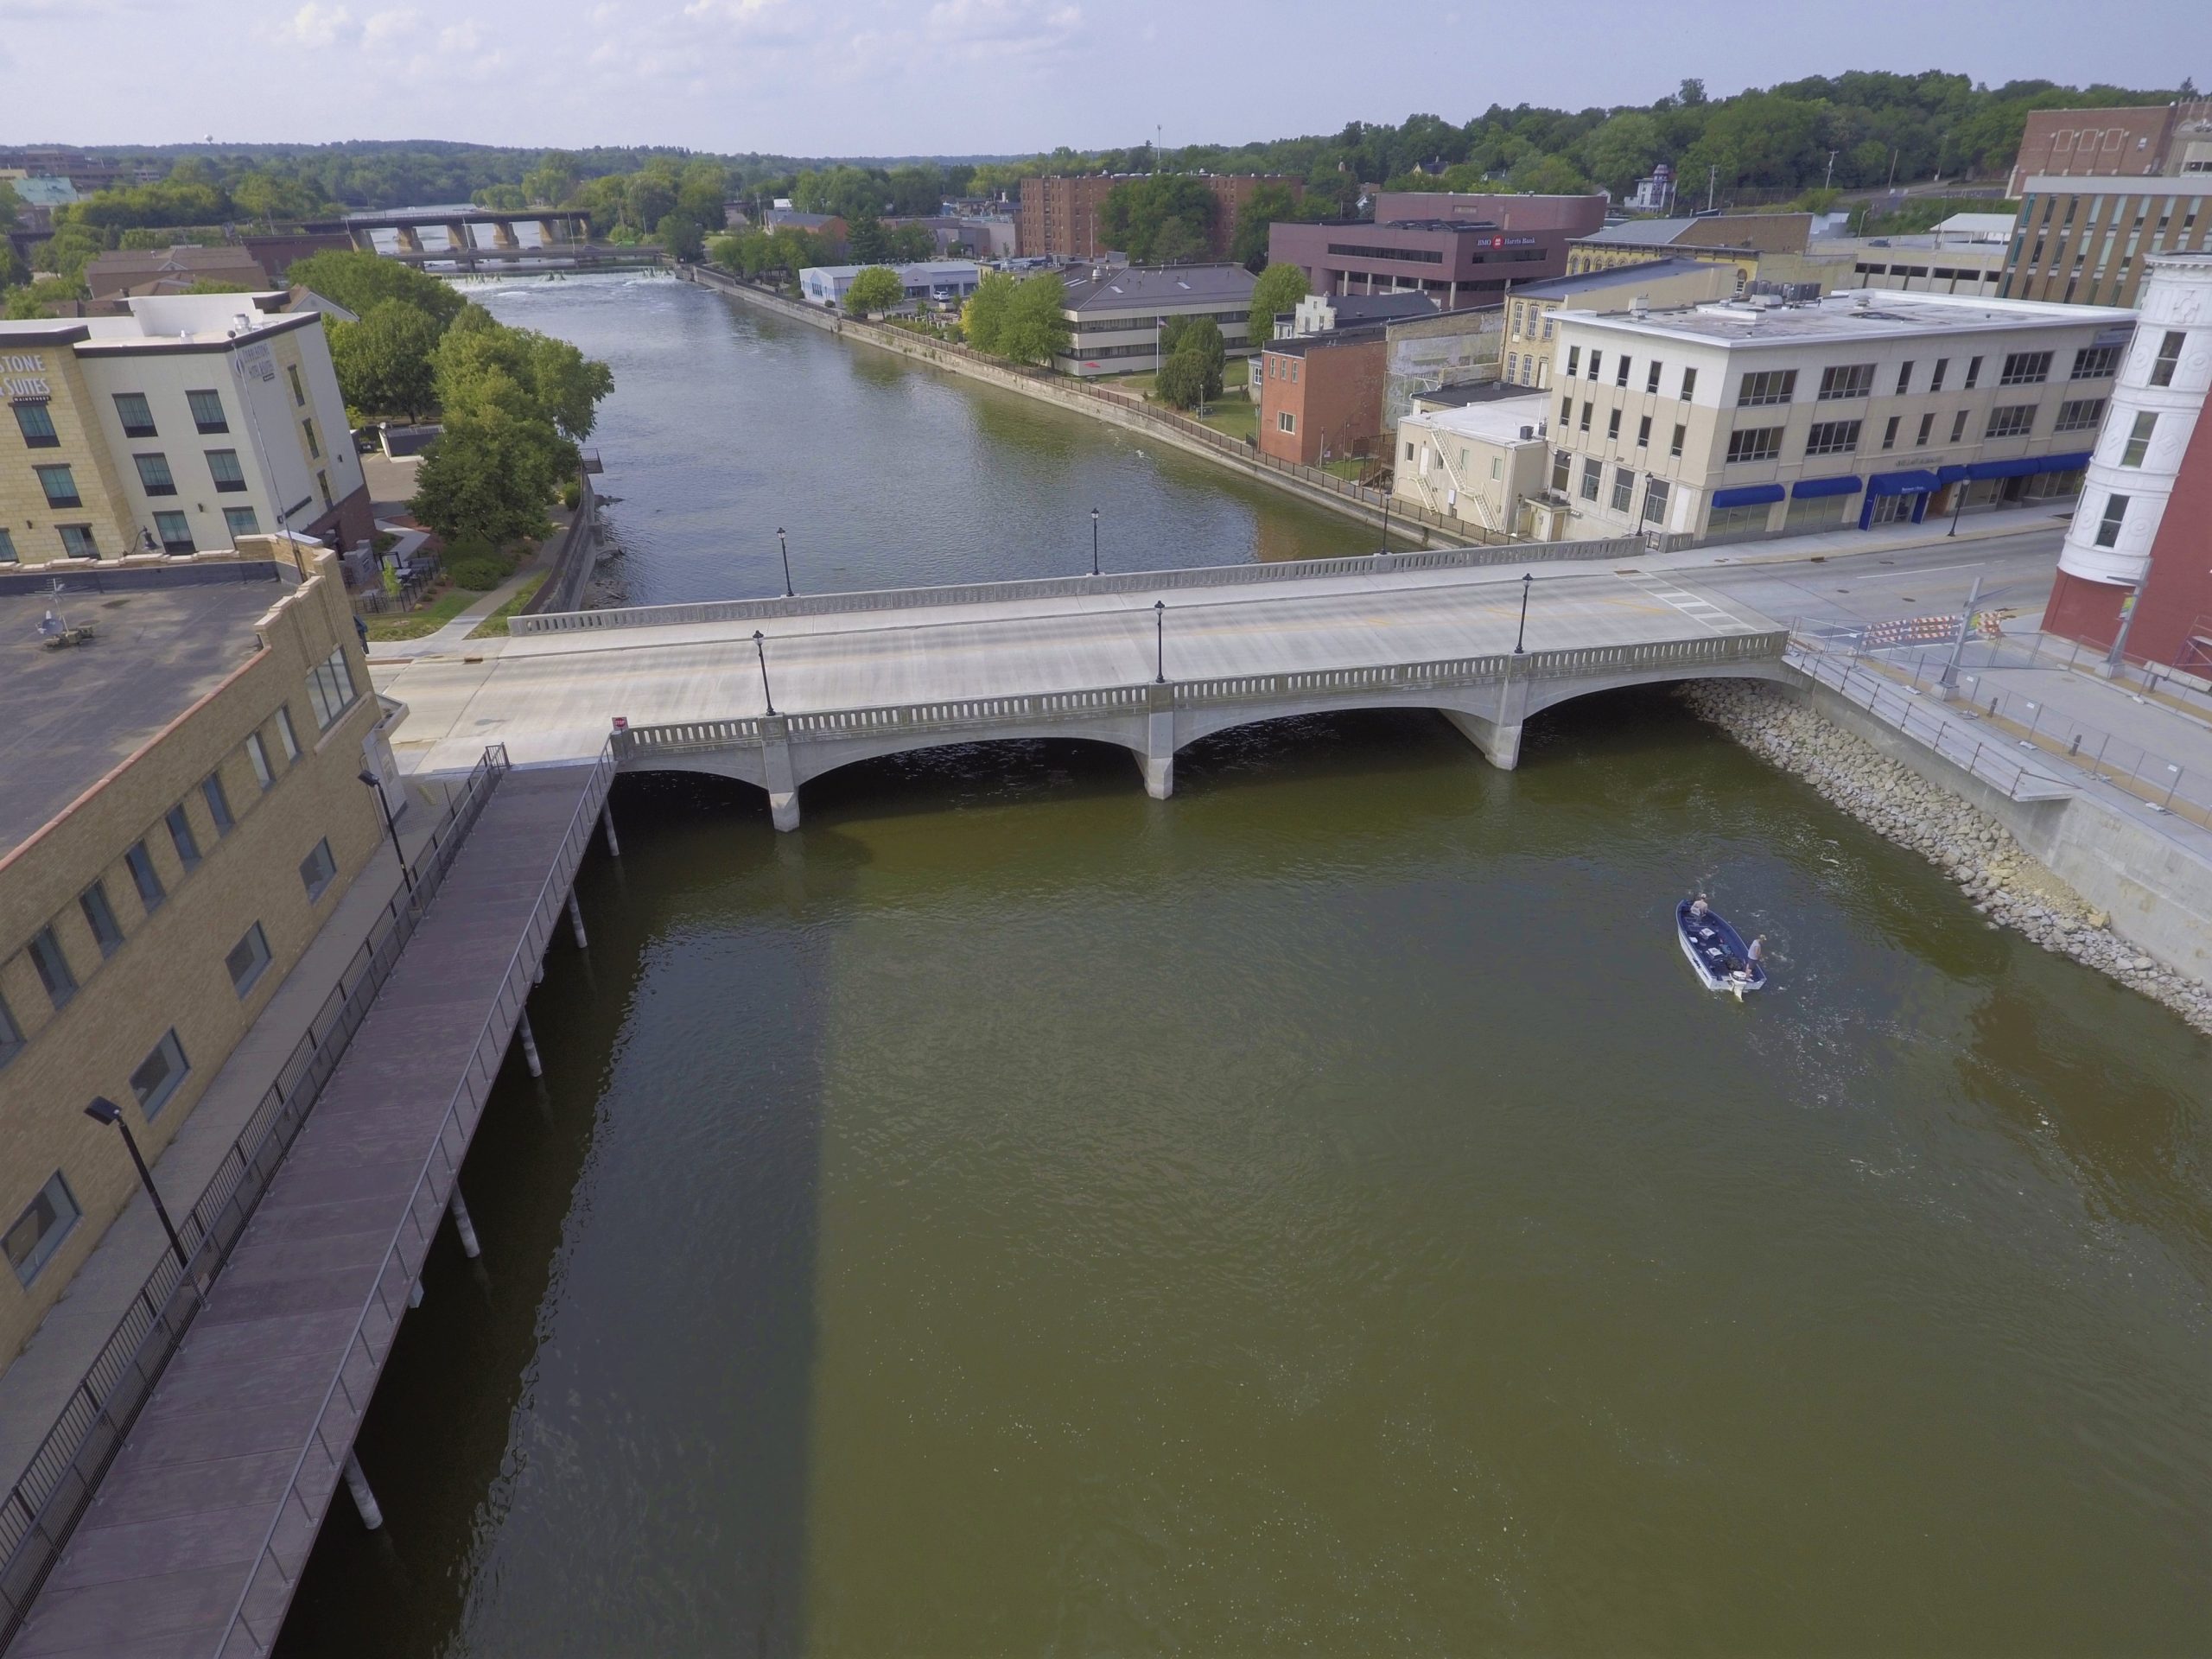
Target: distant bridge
{"type": "Point", "coordinates": [1149, 661]}
{"type": "Point", "coordinates": [555, 226]}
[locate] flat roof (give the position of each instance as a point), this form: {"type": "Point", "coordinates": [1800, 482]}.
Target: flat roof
{"type": "Point", "coordinates": [1849, 315]}
{"type": "Point", "coordinates": [1499, 420]}
{"type": "Point", "coordinates": [76, 714]}
{"type": "Point", "coordinates": [1140, 285]}
{"type": "Point", "coordinates": [1610, 277]}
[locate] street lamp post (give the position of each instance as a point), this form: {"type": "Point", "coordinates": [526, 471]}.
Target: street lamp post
{"type": "Point", "coordinates": [104, 1111]}
{"type": "Point", "coordinates": [1385, 548]}
{"type": "Point", "coordinates": [376, 787]}
{"type": "Point", "coordinates": [1958, 506]}
{"type": "Point", "coordinates": [1160, 640]}
{"type": "Point", "coordinates": [786, 546]}
{"type": "Point", "coordinates": [760, 644]}
{"type": "Point", "coordinates": [1948, 682]}
{"type": "Point", "coordinates": [1094, 541]}
{"type": "Point", "coordinates": [1520, 640]}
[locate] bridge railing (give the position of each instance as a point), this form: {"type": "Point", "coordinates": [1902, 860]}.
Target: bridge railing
{"type": "Point", "coordinates": [641, 742]}
{"type": "Point", "coordinates": [1126, 581]}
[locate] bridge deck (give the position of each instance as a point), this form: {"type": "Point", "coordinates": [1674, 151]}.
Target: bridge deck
{"type": "Point", "coordinates": [551, 696]}
{"type": "Point", "coordinates": [171, 1543]}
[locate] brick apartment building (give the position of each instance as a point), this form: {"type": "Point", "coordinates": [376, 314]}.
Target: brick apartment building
{"type": "Point", "coordinates": [1058, 217]}
{"type": "Point", "coordinates": [2150, 140]}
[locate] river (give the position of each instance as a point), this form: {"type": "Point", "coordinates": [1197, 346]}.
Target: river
{"type": "Point", "coordinates": [1315, 1213]}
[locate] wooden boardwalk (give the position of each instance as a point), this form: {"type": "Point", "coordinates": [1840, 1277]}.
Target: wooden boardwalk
{"type": "Point", "coordinates": [204, 1522]}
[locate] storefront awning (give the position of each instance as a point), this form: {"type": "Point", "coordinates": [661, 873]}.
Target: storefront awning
{"type": "Point", "coordinates": [1748, 495]}
{"type": "Point", "coordinates": [1911, 483]}
{"type": "Point", "coordinates": [1805, 488]}
{"type": "Point", "coordinates": [2028, 466]}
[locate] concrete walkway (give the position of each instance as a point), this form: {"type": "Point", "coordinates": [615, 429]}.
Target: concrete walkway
{"type": "Point", "coordinates": [453, 636]}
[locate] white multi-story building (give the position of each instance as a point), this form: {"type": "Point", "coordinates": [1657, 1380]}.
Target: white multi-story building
{"type": "Point", "coordinates": [1758, 415]}
{"type": "Point", "coordinates": [2156, 406]}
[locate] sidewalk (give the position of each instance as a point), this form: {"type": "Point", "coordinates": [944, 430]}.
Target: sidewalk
{"type": "Point", "coordinates": [35, 1386]}
{"type": "Point", "coordinates": [453, 636]}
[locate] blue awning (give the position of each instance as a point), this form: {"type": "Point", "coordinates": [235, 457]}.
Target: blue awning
{"type": "Point", "coordinates": [1748, 495]}
{"type": "Point", "coordinates": [1806, 487]}
{"type": "Point", "coordinates": [1911, 483]}
{"type": "Point", "coordinates": [2027, 465]}
{"type": "Point", "coordinates": [1951, 474]}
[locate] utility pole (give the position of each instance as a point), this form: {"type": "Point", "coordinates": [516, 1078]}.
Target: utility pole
{"type": "Point", "coordinates": [1712, 184]}
{"type": "Point", "coordinates": [1828, 183]}
{"type": "Point", "coordinates": [1949, 681]}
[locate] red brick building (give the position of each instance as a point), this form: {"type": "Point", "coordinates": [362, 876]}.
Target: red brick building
{"type": "Point", "coordinates": [2173, 612]}
{"type": "Point", "coordinates": [2144, 141]}
{"type": "Point", "coordinates": [1321, 394]}
{"type": "Point", "coordinates": [1058, 217]}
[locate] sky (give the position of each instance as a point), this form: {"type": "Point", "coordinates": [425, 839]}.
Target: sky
{"type": "Point", "coordinates": [976, 77]}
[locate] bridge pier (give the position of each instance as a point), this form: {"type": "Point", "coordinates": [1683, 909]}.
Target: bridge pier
{"type": "Point", "coordinates": [1159, 757]}
{"type": "Point", "coordinates": [363, 1499]}
{"type": "Point", "coordinates": [463, 1225]}
{"type": "Point", "coordinates": [777, 773]}
{"type": "Point", "coordinates": [1498, 736]}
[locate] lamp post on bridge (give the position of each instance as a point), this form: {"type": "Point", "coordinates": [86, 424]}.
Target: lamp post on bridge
{"type": "Point", "coordinates": [1094, 541]}
{"type": "Point", "coordinates": [1160, 640]}
{"type": "Point", "coordinates": [760, 646]}
{"type": "Point", "coordinates": [786, 547]}
{"type": "Point", "coordinates": [104, 1111]}
{"type": "Point", "coordinates": [375, 788]}
{"type": "Point", "coordinates": [1520, 640]}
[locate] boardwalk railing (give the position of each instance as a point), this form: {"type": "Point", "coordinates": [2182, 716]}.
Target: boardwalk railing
{"type": "Point", "coordinates": [46, 1502]}
{"type": "Point", "coordinates": [640, 742]}
{"type": "Point", "coordinates": [285, 1547]}
{"type": "Point", "coordinates": [1125, 581]}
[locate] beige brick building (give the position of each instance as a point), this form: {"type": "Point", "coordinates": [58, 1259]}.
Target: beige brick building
{"type": "Point", "coordinates": [183, 811]}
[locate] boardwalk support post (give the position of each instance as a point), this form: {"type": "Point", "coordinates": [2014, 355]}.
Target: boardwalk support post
{"type": "Point", "coordinates": [463, 1225]}
{"type": "Point", "coordinates": [529, 1043]}
{"type": "Point", "coordinates": [363, 1499]}
{"type": "Point", "coordinates": [606, 822]}
{"type": "Point", "coordinates": [576, 920]}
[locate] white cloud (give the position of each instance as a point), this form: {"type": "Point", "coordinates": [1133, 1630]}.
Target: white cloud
{"type": "Point", "coordinates": [389, 31]}
{"type": "Point", "coordinates": [319, 25]}
{"type": "Point", "coordinates": [460, 37]}
{"type": "Point", "coordinates": [977, 28]}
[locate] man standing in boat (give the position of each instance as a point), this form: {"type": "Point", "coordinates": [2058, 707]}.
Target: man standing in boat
{"type": "Point", "coordinates": [1698, 908]}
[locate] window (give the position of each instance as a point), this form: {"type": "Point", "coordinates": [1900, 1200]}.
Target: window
{"type": "Point", "coordinates": [208, 410]}
{"type": "Point", "coordinates": [248, 960]}
{"type": "Point", "coordinates": [330, 688]}
{"type": "Point", "coordinates": [1409, 455]}
{"type": "Point", "coordinates": [1890, 432]}
{"type": "Point", "coordinates": [257, 753]}
{"type": "Point", "coordinates": [181, 837]}
{"type": "Point", "coordinates": [1562, 462]}
{"type": "Point", "coordinates": [286, 735]}
{"type": "Point", "coordinates": [1620, 375]}
{"type": "Point", "coordinates": [135, 414]}
{"type": "Point", "coordinates": [77, 542]}
{"type": "Point", "coordinates": [2108, 527]}
{"type": "Point", "coordinates": [38, 1232]}
{"type": "Point", "coordinates": [314, 450]}
{"type": "Point", "coordinates": [2095, 363]}
{"type": "Point", "coordinates": [1584, 424]}
{"type": "Point", "coordinates": [53, 966]}
{"type": "Point", "coordinates": [1674, 444]}
{"type": "Point", "coordinates": [1623, 488]}
{"type": "Point", "coordinates": [159, 1074]}
{"type": "Point", "coordinates": [2011, 421]}
{"type": "Point", "coordinates": [316, 870]}
{"type": "Point", "coordinates": [1689, 383]}
{"type": "Point", "coordinates": [1936, 383]}
{"type": "Point", "coordinates": [1846, 380]}
{"type": "Point", "coordinates": [1758, 443]}
{"type": "Point", "coordinates": [1973, 371]}
{"type": "Point", "coordinates": [240, 521]}
{"type": "Point", "coordinates": [8, 554]}
{"type": "Point", "coordinates": [1285, 422]}
{"type": "Point", "coordinates": [100, 915]}
{"type": "Point", "coordinates": [1574, 359]}
{"type": "Point", "coordinates": [1905, 378]}
{"type": "Point", "coordinates": [1593, 474]}
{"type": "Point", "coordinates": [1773, 386]}
{"type": "Point", "coordinates": [1958, 426]}
{"type": "Point", "coordinates": [2162, 366]}
{"type": "Point", "coordinates": [1596, 358]}
{"type": "Point", "coordinates": [223, 468]}
{"type": "Point", "coordinates": [1927, 426]}
{"type": "Point", "coordinates": [2139, 439]}
{"type": "Point", "coordinates": [60, 485]}
{"type": "Point", "coordinates": [1644, 433]}
{"type": "Point", "coordinates": [2080, 414]}
{"type": "Point", "coordinates": [322, 487]}
{"type": "Point", "coordinates": [2024, 369]}
{"type": "Point", "coordinates": [1833, 438]}
{"type": "Point", "coordinates": [299, 394]}
{"type": "Point", "coordinates": [12, 1035]}
{"type": "Point", "coordinates": [1655, 500]}
{"type": "Point", "coordinates": [1513, 366]}
{"type": "Point", "coordinates": [1613, 427]}
{"type": "Point", "coordinates": [145, 877]}
{"type": "Point", "coordinates": [175, 531]}
{"type": "Point", "coordinates": [154, 475]}
{"type": "Point", "coordinates": [36, 426]}
{"type": "Point", "coordinates": [1651, 378]}
{"type": "Point", "coordinates": [219, 804]}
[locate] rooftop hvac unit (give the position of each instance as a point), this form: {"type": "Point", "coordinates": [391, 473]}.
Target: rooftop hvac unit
{"type": "Point", "coordinates": [1527, 432]}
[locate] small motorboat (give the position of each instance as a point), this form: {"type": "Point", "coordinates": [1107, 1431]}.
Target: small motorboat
{"type": "Point", "coordinates": [1718, 952]}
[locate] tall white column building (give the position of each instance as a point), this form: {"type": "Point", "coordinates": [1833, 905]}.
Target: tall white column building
{"type": "Point", "coordinates": [2156, 402]}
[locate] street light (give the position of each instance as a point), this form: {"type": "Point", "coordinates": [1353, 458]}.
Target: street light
{"type": "Point", "coordinates": [786, 546]}
{"type": "Point", "coordinates": [1094, 541]}
{"type": "Point", "coordinates": [1520, 647]}
{"type": "Point", "coordinates": [376, 786]}
{"type": "Point", "coordinates": [760, 644]}
{"type": "Point", "coordinates": [1958, 506]}
{"type": "Point", "coordinates": [1160, 640]}
{"type": "Point", "coordinates": [1385, 548]}
{"type": "Point", "coordinates": [104, 1111]}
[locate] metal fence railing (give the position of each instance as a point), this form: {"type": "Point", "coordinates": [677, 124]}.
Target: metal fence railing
{"type": "Point", "coordinates": [259, 1610]}
{"type": "Point", "coordinates": [44, 1506]}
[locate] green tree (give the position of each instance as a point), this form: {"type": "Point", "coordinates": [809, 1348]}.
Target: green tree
{"type": "Point", "coordinates": [552, 182]}
{"type": "Point", "coordinates": [1036, 323]}
{"type": "Point", "coordinates": [23, 304]}
{"type": "Point", "coordinates": [360, 281]}
{"type": "Point", "coordinates": [679, 234]}
{"type": "Point", "coordinates": [505, 198]}
{"type": "Point", "coordinates": [876, 288]}
{"type": "Point", "coordinates": [909, 244]}
{"type": "Point", "coordinates": [1549, 175]}
{"type": "Point", "coordinates": [1182, 382]}
{"type": "Point", "coordinates": [68, 251]}
{"type": "Point", "coordinates": [647, 197]}
{"type": "Point", "coordinates": [1163, 220]}
{"type": "Point", "coordinates": [866, 239]}
{"type": "Point", "coordinates": [1622, 151]}
{"type": "Point", "coordinates": [1199, 337]}
{"type": "Point", "coordinates": [490, 476]}
{"type": "Point", "coordinates": [384, 360]}
{"type": "Point", "coordinates": [8, 205]}
{"type": "Point", "coordinates": [1281, 287]}
{"type": "Point", "coordinates": [983, 318]}
{"type": "Point", "coordinates": [701, 191]}
{"type": "Point", "coordinates": [1248, 242]}
{"type": "Point", "coordinates": [13, 271]}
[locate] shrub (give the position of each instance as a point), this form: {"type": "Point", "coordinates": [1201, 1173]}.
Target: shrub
{"type": "Point", "coordinates": [478, 576]}
{"type": "Point", "coordinates": [572, 494]}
